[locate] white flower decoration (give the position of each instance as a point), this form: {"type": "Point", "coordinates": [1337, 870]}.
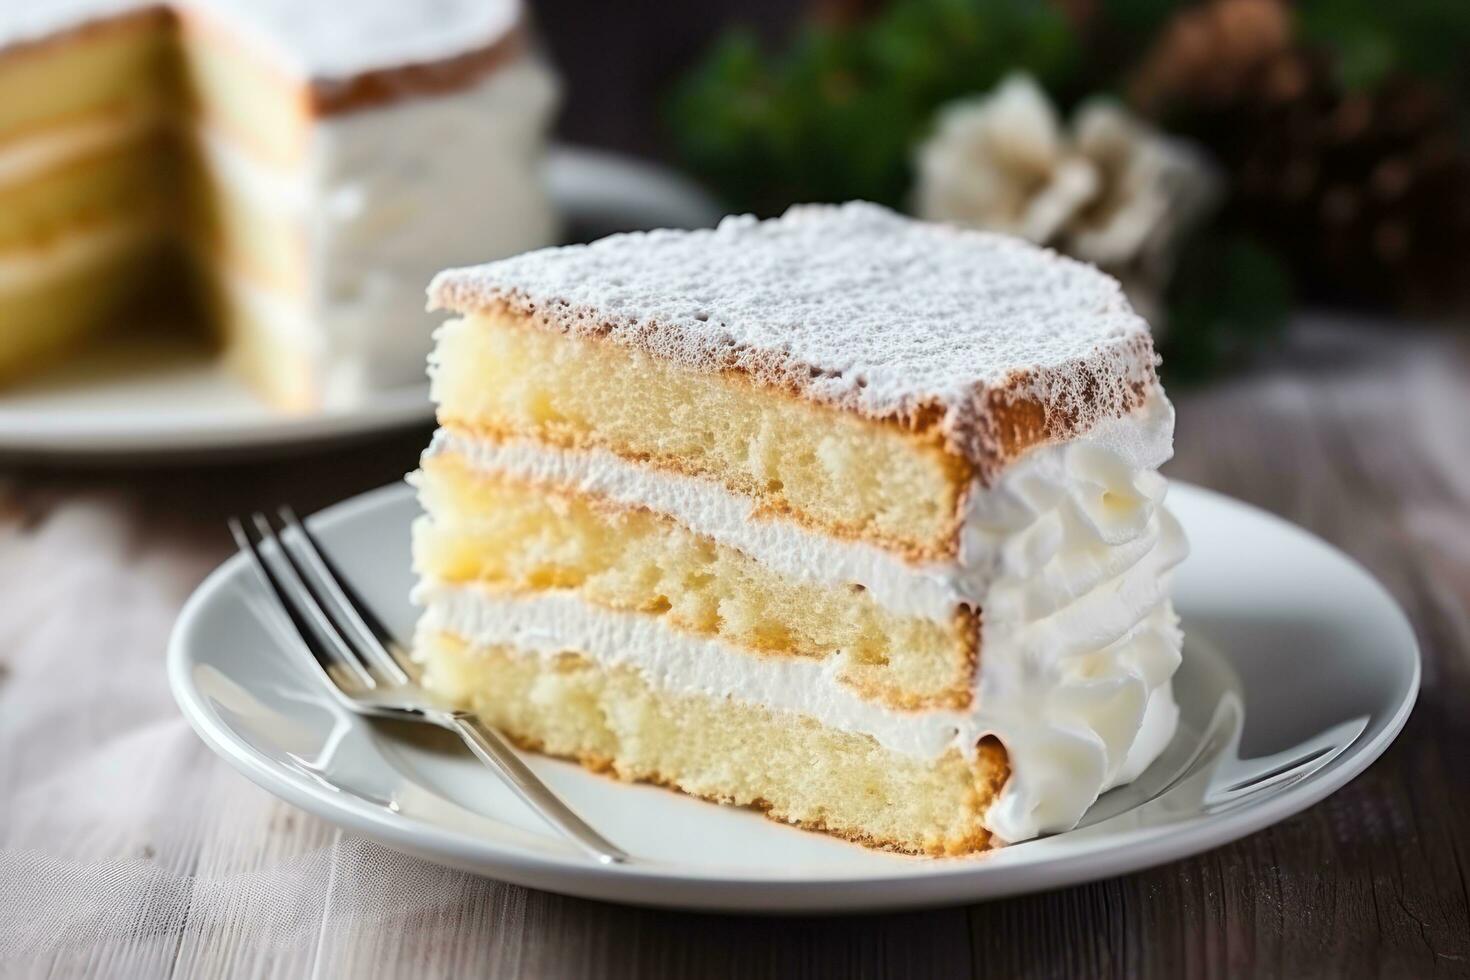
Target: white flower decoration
{"type": "Point", "coordinates": [1113, 191]}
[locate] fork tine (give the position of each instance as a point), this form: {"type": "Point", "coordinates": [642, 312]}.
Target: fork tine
{"type": "Point", "coordinates": [309, 642]}
{"type": "Point", "coordinates": [382, 649]}
{"type": "Point", "coordinates": [335, 612]}
{"type": "Point", "coordinates": [321, 637]}
{"type": "Point", "coordinates": [293, 592]}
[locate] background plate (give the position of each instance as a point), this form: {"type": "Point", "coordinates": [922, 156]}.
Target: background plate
{"type": "Point", "coordinates": [1298, 671]}
{"type": "Point", "coordinates": [145, 398]}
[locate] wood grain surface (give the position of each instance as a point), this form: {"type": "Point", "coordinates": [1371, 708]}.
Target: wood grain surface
{"type": "Point", "coordinates": [1362, 436]}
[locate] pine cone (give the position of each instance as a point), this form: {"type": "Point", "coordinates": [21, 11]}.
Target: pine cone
{"type": "Point", "coordinates": [844, 12]}
{"type": "Point", "coordinates": [1209, 55]}
{"type": "Point", "coordinates": [1366, 194]}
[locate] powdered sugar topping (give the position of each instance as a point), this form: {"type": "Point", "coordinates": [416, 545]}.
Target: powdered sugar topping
{"type": "Point", "coordinates": [852, 305]}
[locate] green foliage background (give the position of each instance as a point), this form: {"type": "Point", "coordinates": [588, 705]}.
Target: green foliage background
{"type": "Point", "coordinates": [836, 113]}
{"type": "Point", "coordinates": [835, 116]}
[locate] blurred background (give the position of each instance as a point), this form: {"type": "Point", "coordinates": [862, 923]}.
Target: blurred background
{"type": "Point", "coordinates": [1231, 161]}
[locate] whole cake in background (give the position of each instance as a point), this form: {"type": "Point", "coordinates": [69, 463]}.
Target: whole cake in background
{"type": "Point", "coordinates": [293, 170]}
{"type": "Point", "coordinates": [846, 516]}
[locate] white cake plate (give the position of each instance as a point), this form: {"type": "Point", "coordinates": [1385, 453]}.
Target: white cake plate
{"type": "Point", "coordinates": [1298, 671]}
{"type": "Point", "coordinates": [141, 399]}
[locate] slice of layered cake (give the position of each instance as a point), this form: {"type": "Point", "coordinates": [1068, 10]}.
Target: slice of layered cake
{"type": "Point", "coordinates": [844, 516]}
{"type": "Point", "coordinates": [294, 170]}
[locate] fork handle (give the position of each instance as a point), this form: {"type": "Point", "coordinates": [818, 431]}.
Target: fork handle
{"type": "Point", "coordinates": [492, 749]}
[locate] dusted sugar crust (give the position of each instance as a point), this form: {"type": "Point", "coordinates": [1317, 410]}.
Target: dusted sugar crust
{"type": "Point", "coordinates": [986, 342]}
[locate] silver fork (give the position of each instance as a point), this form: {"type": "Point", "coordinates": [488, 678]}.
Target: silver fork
{"type": "Point", "coordinates": [369, 671]}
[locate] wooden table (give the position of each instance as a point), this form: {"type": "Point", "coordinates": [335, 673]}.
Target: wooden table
{"type": "Point", "coordinates": [1361, 436]}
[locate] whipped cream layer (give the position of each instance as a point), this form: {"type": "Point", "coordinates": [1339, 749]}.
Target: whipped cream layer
{"type": "Point", "coordinates": [1067, 556]}
{"type": "Point", "coordinates": [929, 591]}
{"type": "Point", "coordinates": [1138, 444]}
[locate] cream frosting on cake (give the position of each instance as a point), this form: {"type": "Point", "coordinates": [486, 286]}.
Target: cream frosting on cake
{"type": "Point", "coordinates": [311, 160]}
{"type": "Point", "coordinates": [1056, 567]}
